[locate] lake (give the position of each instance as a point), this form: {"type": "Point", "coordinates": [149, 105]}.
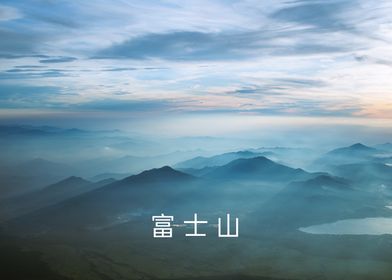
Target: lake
{"type": "Point", "coordinates": [370, 226]}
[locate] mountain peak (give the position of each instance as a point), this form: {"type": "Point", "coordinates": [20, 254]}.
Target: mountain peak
{"type": "Point", "coordinates": [326, 180]}
{"type": "Point", "coordinates": [73, 180]}
{"type": "Point", "coordinates": [161, 174]}
{"type": "Point", "coordinates": [256, 160]}
{"type": "Point", "coordinates": [359, 146]}
{"type": "Point", "coordinates": [161, 170]}
{"type": "Point", "coordinates": [355, 149]}
{"type": "Point", "coordinates": [216, 160]}
{"type": "Point", "coordinates": [68, 183]}
{"type": "Point", "coordinates": [260, 168]}
{"type": "Point", "coordinates": [322, 182]}
{"type": "Point", "coordinates": [261, 158]}
{"type": "Point", "coordinates": [250, 163]}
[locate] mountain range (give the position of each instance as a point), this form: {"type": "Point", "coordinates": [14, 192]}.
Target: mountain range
{"type": "Point", "coordinates": [318, 200]}
{"type": "Point", "coordinates": [218, 160]}
{"type": "Point", "coordinates": [50, 195]}
{"type": "Point", "coordinates": [105, 228]}
{"type": "Point", "coordinates": [346, 155]}
{"type": "Point", "coordinates": [257, 168]}
{"type": "Point", "coordinates": [115, 201]}
{"type": "Point", "coordinates": [85, 203]}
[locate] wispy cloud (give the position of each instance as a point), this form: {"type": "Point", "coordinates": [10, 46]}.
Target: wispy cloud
{"type": "Point", "coordinates": [320, 16]}
{"type": "Point", "coordinates": [279, 57]}
{"type": "Point", "coordinates": [60, 59]}
{"type": "Point", "coordinates": [9, 13]}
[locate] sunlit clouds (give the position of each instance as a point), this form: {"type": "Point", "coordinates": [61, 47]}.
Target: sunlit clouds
{"type": "Point", "coordinates": [280, 58]}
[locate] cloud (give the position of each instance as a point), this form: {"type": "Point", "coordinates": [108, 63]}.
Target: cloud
{"type": "Point", "coordinates": [29, 66]}
{"type": "Point", "coordinates": [120, 69]}
{"type": "Point", "coordinates": [18, 56]}
{"type": "Point", "coordinates": [184, 45]}
{"type": "Point", "coordinates": [56, 19]}
{"type": "Point", "coordinates": [367, 59]}
{"type": "Point", "coordinates": [25, 96]}
{"type": "Point", "coordinates": [60, 59]}
{"type": "Point", "coordinates": [277, 86]}
{"type": "Point", "coordinates": [127, 105]}
{"type": "Point", "coordinates": [294, 107]}
{"type": "Point", "coordinates": [9, 13]}
{"type": "Point", "coordinates": [300, 82]}
{"type": "Point", "coordinates": [325, 16]}
{"type": "Point", "coordinates": [277, 57]}
{"type": "Point", "coordinates": [13, 43]}
{"type": "Point", "coordinates": [31, 73]}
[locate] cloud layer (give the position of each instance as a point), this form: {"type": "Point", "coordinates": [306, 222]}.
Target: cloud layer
{"type": "Point", "coordinates": [313, 58]}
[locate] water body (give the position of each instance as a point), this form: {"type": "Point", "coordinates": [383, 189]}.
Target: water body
{"type": "Point", "coordinates": [369, 226]}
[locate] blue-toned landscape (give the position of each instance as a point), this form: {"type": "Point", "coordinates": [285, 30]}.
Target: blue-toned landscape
{"type": "Point", "coordinates": [276, 112]}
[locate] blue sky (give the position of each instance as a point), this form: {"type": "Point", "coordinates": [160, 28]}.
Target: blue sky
{"type": "Point", "coordinates": [264, 58]}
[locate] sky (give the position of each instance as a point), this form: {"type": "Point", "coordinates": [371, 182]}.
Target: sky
{"type": "Point", "coordinates": [320, 60]}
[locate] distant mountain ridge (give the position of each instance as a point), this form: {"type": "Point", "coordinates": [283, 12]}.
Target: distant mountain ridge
{"type": "Point", "coordinates": [52, 194]}
{"type": "Point", "coordinates": [318, 200]}
{"type": "Point", "coordinates": [354, 150]}
{"type": "Point", "coordinates": [368, 173]}
{"type": "Point", "coordinates": [346, 155]}
{"type": "Point", "coordinates": [155, 188]}
{"type": "Point", "coordinates": [66, 185]}
{"type": "Point", "coordinates": [299, 199]}
{"type": "Point", "coordinates": [218, 160]}
{"type": "Point", "coordinates": [258, 168]}
{"type": "Point", "coordinates": [157, 175]}
{"type": "Point", "coordinates": [31, 175]}
{"type": "Point", "coordinates": [386, 146]}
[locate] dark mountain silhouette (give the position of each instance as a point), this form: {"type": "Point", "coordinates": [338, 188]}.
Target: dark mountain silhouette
{"type": "Point", "coordinates": [116, 202]}
{"type": "Point", "coordinates": [385, 147]}
{"type": "Point", "coordinates": [290, 156]}
{"type": "Point", "coordinates": [105, 176]}
{"type": "Point", "coordinates": [50, 195]}
{"type": "Point", "coordinates": [31, 175]}
{"type": "Point", "coordinates": [66, 185]}
{"type": "Point", "coordinates": [357, 149]}
{"type": "Point", "coordinates": [318, 200]}
{"type": "Point", "coordinates": [322, 182]}
{"type": "Point", "coordinates": [366, 173]}
{"type": "Point", "coordinates": [218, 160]}
{"type": "Point", "coordinates": [198, 172]}
{"type": "Point", "coordinates": [351, 154]}
{"type": "Point", "coordinates": [156, 175]}
{"type": "Point", "coordinates": [258, 168]}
